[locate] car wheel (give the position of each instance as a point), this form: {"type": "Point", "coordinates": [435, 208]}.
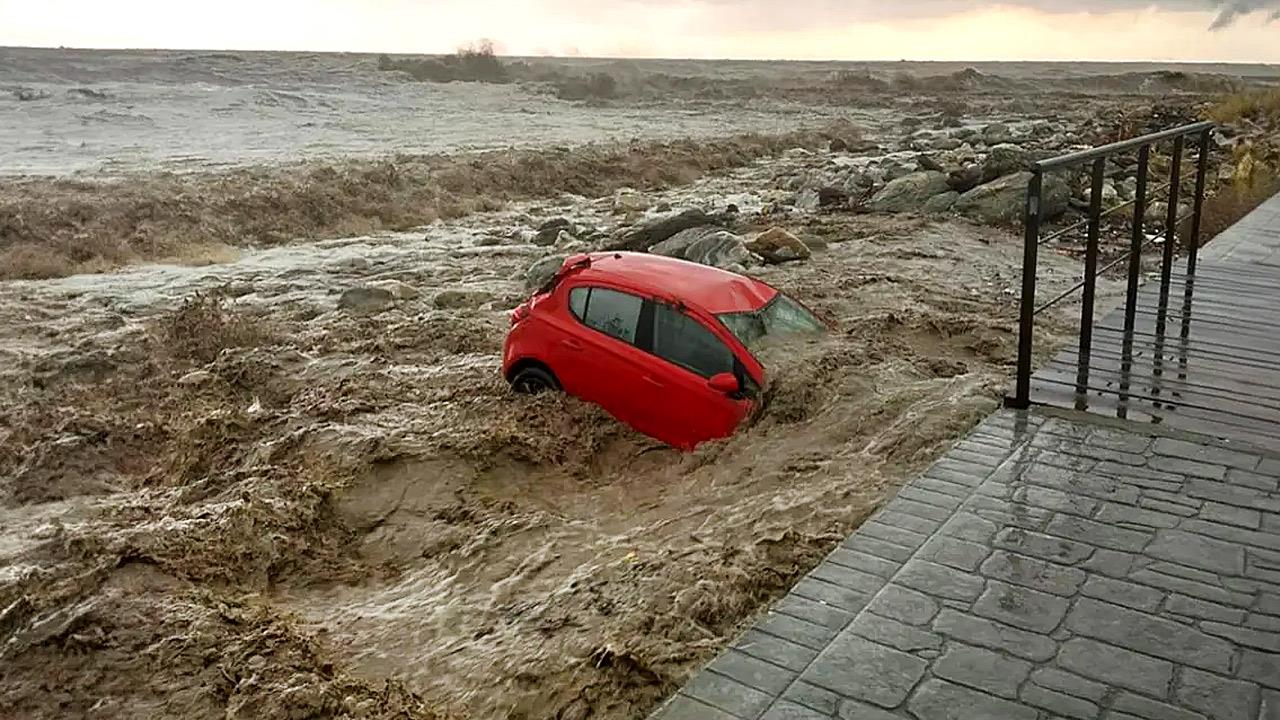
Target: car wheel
{"type": "Point", "coordinates": [533, 380]}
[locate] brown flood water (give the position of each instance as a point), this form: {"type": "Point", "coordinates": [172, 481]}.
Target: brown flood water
{"type": "Point", "coordinates": [258, 505]}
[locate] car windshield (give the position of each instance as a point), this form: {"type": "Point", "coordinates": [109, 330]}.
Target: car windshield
{"type": "Point", "coordinates": [782, 317]}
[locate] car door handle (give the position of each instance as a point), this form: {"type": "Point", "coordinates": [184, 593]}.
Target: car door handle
{"type": "Point", "coordinates": [572, 345]}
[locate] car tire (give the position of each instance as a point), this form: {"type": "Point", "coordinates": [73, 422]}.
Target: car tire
{"type": "Point", "coordinates": [533, 380]}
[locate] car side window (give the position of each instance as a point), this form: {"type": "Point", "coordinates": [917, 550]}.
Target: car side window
{"type": "Point", "coordinates": [688, 343]}
{"type": "Point", "coordinates": [611, 312]}
{"type": "Point", "coordinates": [578, 302]}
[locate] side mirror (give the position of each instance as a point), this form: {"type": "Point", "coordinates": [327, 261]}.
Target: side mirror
{"type": "Point", "coordinates": [724, 383]}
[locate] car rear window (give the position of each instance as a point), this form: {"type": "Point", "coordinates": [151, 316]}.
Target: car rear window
{"type": "Point", "coordinates": [687, 343]}
{"type": "Point", "coordinates": [609, 311]}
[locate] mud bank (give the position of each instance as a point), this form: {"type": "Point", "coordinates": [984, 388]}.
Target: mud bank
{"type": "Point", "coordinates": [59, 227]}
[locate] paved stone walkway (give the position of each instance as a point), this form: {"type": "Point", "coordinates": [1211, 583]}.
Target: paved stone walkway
{"type": "Point", "coordinates": [1049, 566]}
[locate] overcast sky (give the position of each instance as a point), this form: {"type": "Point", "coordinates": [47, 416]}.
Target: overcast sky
{"type": "Point", "coordinates": [1225, 30]}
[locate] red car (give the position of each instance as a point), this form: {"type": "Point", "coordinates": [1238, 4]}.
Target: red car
{"type": "Point", "coordinates": [663, 345]}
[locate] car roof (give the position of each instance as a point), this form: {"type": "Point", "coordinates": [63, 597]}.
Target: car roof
{"type": "Point", "coordinates": [712, 289]}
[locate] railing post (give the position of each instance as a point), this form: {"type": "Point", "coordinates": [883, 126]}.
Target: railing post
{"type": "Point", "coordinates": [1171, 220]}
{"type": "Point", "coordinates": [1202, 168]}
{"type": "Point", "coordinates": [1031, 242]}
{"type": "Point", "coordinates": [1084, 358]}
{"type": "Point", "coordinates": [1136, 240]}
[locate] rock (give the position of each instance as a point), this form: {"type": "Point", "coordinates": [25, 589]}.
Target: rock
{"type": "Point", "coordinates": [893, 171]}
{"type": "Point", "coordinates": [808, 199]}
{"type": "Point", "coordinates": [1128, 189]}
{"type": "Point", "coordinates": [776, 246]}
{"type": "Point", "coordinates": [965, 179]}
{"type": "Point", "coordinates": [832, 196]}
{"type": "Point", "coordinates": [1158, 212]}
{"type": "Point", "coordinates": [541, 272]}
{"type": "Point", "coordinates": [940, 203]}
{"type": "Point", "coordinates": [1004, 200]}
{"type": "Point", "coordinates": [860, 182]}
{"type": "Point", "coordinates": [997, 133]}
{"type": "Point", "coordinates": [1109, 194]}
{"type": "Point", "coordinates": [924, 162]}
{"type": "Point", "coordinates": [627, 201]}
{"type": "Point", "coordinates": [838, 145]}
{"type": "Point", "coordinates": [456, 299]}
{"type": "Point", "coordinates": [366, 299]}
{"type": "Point", "coordinates": [488, 240]}
{"type": "Point", "coordinates": [557, 223]}
{"type": "Point", "coordinates": [675, 245]}
{"type": "Point", "coordinates": [565, 238]}
{"type": "Point", "coordinates": [946, 143]}
{"type": "Point", "coordinates": [549, 231]}
{"type": "Point", "coordinates": [1003, 160]}
{"type": "Point", "coordinates": [909, 192]}
{"type": "Point", "coordinates": [198, 377]}
{"type": "Point", "coordinates": [648, 234]}
{"type": "Point", "coordinates": [720, 249]}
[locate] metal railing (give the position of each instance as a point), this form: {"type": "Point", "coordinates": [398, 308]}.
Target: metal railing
{"type": "Point", "coordinates": [1139, 240]}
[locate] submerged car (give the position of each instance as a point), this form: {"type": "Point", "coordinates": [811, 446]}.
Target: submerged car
{"type": "Point", "coordinates": [663, 345]}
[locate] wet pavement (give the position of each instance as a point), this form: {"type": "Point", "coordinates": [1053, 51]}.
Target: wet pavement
{"type": "Point", "coordinates": [1058, 563]}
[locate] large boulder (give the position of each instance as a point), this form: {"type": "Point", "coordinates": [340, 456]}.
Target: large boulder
{"type": "Point", "coordinates": [1003, 160]}
{"type": "Point", "coordinates": [650, 233]}
{"type": "Point", "coordinates": [776, 245]}
{"type": "Point", "coordinates": [831, 196]}
{"type": "Point", "coordinates": [549, 231]}
{"type": "Point", "coordinates": [909, 192]}
{"type": "Point", "coordinates": [965, 179]}
{"type": "Point", "coordinates": [1004, 200]}
{"type": "Point", "coordinates": [940, 203]}
{"type": "Point", "coordinates": [675, 245]}
{"type": "Point", "coordinates": [720, 249]}
{"type": "Point", "coordinates": [541, 271]}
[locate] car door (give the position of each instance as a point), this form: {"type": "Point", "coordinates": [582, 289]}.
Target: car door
{"type": "Point", "coordinates": [602, 363]}
{"type": "Point", "coordinates": [692, 354]}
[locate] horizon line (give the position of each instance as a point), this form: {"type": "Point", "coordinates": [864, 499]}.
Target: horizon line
{"type": "Point", "coordinates": [1262, 63]}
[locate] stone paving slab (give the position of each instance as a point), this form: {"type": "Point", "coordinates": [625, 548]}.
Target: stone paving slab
{"type": "Point", "coordinates": [1052, 565]}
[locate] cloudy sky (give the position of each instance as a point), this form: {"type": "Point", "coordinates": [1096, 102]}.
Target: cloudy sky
{"type": "Point", "coordinates": [1224, 30]}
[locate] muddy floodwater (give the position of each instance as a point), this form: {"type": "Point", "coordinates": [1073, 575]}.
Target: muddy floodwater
{"type": "Point", "coordinates": [290, 482]}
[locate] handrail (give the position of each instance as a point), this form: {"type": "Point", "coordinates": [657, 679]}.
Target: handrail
{"type": "Point", "coordinates": [1116, 147]}
{"type": "Point", "coordinates": [1021, 397]}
